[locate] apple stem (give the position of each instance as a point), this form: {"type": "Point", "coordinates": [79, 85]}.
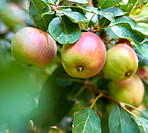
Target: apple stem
{"type": "Point", "coordinates": [79, 68]}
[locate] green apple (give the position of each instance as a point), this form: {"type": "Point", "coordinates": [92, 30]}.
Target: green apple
{"type": "Point", "coordinates": [33, 46]}
{"type": "Point", "coordinates": [121, 62]}
{"type": "Point", "coordinates": [129, 91]}
{"type": "Point", "coordinates": [86, 57]}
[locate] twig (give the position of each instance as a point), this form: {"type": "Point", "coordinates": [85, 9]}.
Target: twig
{"type": "Point", "coordinates": [100, 95]}
{"type": "Point", "coordinates": [110, 98]}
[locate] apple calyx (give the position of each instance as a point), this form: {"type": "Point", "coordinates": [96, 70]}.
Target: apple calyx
{"type": "Point", "coordinates": [79, 68]}
{"type": "Point", "coordinates": [127, 74]}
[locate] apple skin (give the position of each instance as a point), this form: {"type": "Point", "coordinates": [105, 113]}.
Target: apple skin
{"type": "Point", "coordinates": [129, 91]}
{"type": "Point", "coordinates": [33, 46]}
{"type": "Point", "coordinates": [121, 62]}
{"type": "Point", "coordinates": [86, 57]}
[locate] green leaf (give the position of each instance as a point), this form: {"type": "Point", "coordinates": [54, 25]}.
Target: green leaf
{"type": "Point", "coordinates": [121, 122]}
{"type": "Point", "coordinates": [124, 30]}
{"type": "Point", "coordinates": [144, 113]}
{"type": "Point", "coordinates": [143, 49]}
{"type": "Point", "coordinates": [126, 19]}
{"type": "Point", "coordinates": [142, 123]}
{"type": "Point", "coordinates": [143, 27]}
{"type": "Point", "coordinates": [53, 102]}
{"type": "Point", "coordinates": [103, 4]}
{"type": "Point", "coordinates": [79, 1]}
{"type": "Point", "coordinates": [46, 11]}
{"type": "Point", "coordinates": [115, 11]}
{"type": "Point", "coordinates": [94, 10]}
{"type": "Point", "coordinates": [142, 20]}
{"type": "Point", "coordinates": [75, 17]}
{"type": "Point", "coordinates": [36, 10]}
{"type": "Point", "coordinates": [141, 58]}
{"type": "Point", "coordinates": [63, 30]}
{"type": "Point", "coordinates": [104, 22]}
{"type": "Point", "coordinates": [86, 121]}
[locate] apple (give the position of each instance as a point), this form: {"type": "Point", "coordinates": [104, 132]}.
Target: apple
{"type": "Point", "coordinates": [86, 57]}
{"type": "Point", "coordinates": [121, 62]}
{"type": "Point", "coordinates": [33, 46]}
{"type": "Point", "coordinates": [129, 91]}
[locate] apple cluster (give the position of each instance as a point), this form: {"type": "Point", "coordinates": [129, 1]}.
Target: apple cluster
{"type": "Point", "coordinates": [84, 59]}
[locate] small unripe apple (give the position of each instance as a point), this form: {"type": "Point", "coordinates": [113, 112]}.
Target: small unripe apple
{"type": "Point", "coordinates": [129, 91]}
{"type": "Point", "coordinates": [33, 46]}
{"type": "Point", "coordinates": [121, 62]}
{"type": "Point", "coordinates": [86, 57]}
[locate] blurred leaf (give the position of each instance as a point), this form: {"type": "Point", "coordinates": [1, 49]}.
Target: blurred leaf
{"type": "Point", "coordinates": [143, 27]}
{"type": "Point", "coordinates": [143, 49]}
{"type": "Point", "coordinates": [141, 58]}
{"type": "Point", "coordinates": [75, 17]}
{"type": "Point", "coordinates": [121, 122]}
{"type": "Point", "coordinates": [53, 102]}
{"type": "Point", "coordinates": [139, 7]}
{"type": "Point", "coordinates": [86, 121]}
{"type": "Point", "coordinates": [66, 124]}
{"type": "Point", "coordinates": [19, 91]}
{"type": "Point", "coordinates": [115, 11]}
{"type": "Point", "coordinates": [145, 98]}
{"type": "Point", "coordinates": [36, 12]}
{"type": "Point", "coordinates": [104, 115]}
{"type": "Point", "coordinates": [103, 4]}
{"type": "Point", "coordinates": [142, 123]}
{"type": "Point", "coordinates": [144, 113]}
{"type": "Point", "coordinates": [63, 30]}
{"type": "Point", "coordinates": [142, 20]}
{"type": "Point", "coordinates": [124, 30]}
{"type": "Point", "coordinates": [79, 1]}
{"type": "Point", "coordinates": [132, 5]}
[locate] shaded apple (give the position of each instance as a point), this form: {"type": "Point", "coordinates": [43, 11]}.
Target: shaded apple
{"type": "Point", "coordinates": [86, 57]}
{"type": "Point", "coordinates": [129, 91]}
{"type": "Point", "coordinates": [33, 46]}
{"type": "Point", "coordinates": [121, 62]}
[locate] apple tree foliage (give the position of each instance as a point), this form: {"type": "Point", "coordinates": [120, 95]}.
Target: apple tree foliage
{"type": "Point", "coordinates": [46, 100]}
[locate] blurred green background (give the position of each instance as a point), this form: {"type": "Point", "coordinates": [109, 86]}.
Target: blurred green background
{"type": "Point", "coordinates": [20, 85]}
